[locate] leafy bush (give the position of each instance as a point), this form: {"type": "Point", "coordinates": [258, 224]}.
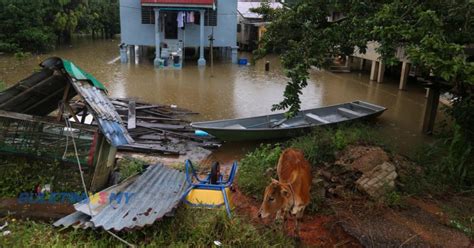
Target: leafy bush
{"type": "Point", "coordinates": [253, 171]}
{"type": "Point", "coordinates": [321, 145]}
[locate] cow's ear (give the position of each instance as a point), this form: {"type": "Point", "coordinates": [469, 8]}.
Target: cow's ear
{"type": "Point", "coordinates": [274, 180]}
{"type": "Point", "coordinates": [285, 193]}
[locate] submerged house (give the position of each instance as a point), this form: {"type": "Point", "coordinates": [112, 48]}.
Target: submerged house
{"type": "Point", "coordinates": [171, 26]}
{"type": "Point", "coordinates": [37, 120]}
{"type": "Point", "coordinates": [251, 25]}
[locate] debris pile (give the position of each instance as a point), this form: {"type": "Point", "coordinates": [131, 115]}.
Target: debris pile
{"type": "Point", "coordinates": [157, 128]}
{"type": "Point", "coordinates": [364, 169]}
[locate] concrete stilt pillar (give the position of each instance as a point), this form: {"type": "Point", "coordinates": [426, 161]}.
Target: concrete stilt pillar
{"type": "Point", "coordinates": [235, 54]}
{"type": "Point", "coordinates": [201, 60]}
{"type": "Point", "coordinates": [381, 72]}
{"type": "Point", "coordinates": [132, 54]}
{"type": "Point", "coordinates": [156, 62]}
{"type": "Point", "coordinates": [123, 54]}
{"type": "Point", "coordinates": [404, 75]}
{"type": "Point", "coordinates": [361, 64]}
{"type": "Point", "coordinates": [374, 70]}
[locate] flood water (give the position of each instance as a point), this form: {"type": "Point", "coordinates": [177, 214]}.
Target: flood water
{"type": "Point", "coordinates": [233, 91]}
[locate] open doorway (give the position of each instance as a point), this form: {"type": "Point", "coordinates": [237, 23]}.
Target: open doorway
{"type": "Point", "coordinates": [171, 26]}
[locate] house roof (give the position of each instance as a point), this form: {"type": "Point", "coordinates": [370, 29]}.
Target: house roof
{"type": "Point", "coordinates": [179, 3]}
{"type": "Point", "coordinates": [244, 9]}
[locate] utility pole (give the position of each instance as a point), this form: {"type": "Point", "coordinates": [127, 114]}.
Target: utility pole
{"type": "Point", "coordinates": [211, 44]}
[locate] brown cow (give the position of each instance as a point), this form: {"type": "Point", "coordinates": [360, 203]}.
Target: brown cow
{"type": "Point", "coordinates": [291, 194]}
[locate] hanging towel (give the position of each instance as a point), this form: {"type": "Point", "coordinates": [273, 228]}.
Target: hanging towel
{"type": "Point", "coordinates": [191, 17]}
{"type": "Point", "coordinates": [180, 19]}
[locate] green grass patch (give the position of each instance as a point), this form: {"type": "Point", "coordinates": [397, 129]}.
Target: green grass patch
{"type": "Point", "coordinates": [23, 175]}
{"type": "Point", "coordinates": [257, 168]}
{"type": "Point", "coordinates": [129, 166]}
{"type": "Point", "coordinates": [188, 228]}
{"type": "Point", "coordinates": [320, 146]}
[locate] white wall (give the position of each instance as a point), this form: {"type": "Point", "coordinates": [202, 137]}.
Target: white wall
{"type": "Point", "coordinates": [133, 32]}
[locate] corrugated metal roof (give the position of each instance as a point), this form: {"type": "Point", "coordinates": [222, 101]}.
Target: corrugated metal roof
{"type": "Point", "coordinates": [155, 193]}
{"type": "Point", "coordinates": [104, 113]}
{"type": "Point", "coordinates": [79, 74]}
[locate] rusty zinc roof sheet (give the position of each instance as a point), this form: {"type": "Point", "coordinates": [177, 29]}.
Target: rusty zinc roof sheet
{"type": "Point", "coordinates": [155, 193]}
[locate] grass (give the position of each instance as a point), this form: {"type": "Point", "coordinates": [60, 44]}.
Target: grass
{"type": "Point", "coordinates": [320, 146]}
{"type": "Point", "coordinates": [129, 166]}
{"type": "Point", "coordinates": [188, 228]}
{"type": "Point", "coordinates": [23, 175]}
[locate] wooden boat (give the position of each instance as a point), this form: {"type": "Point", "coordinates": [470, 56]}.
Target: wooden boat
{"type": "Point", "coordinates": [276, 126]}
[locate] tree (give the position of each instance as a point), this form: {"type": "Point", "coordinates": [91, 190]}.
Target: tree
{"type": "Point", "coordinates": [35, 25]}
{"type": "Point", "coordinates": [434, 34]}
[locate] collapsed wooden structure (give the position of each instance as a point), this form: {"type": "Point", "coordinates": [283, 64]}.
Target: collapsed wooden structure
{"type": "Point", "coordinates": [27, 127]}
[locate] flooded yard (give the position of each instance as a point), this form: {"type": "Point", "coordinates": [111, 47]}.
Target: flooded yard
{"type": "Point", "coordinates": [233, 91]}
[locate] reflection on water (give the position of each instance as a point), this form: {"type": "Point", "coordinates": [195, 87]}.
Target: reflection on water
{"type": "Point", "coordinates": [235, 91]}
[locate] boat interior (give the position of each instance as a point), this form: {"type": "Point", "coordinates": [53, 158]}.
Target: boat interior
{"type": "Point", "coordinates": [312, 117]}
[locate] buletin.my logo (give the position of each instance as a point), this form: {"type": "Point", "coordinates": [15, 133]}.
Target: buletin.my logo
{"type": "Point", "coordinates": [100, 198]}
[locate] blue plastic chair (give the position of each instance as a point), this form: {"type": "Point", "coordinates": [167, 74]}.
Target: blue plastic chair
{"type": "Point", "coordinates": [197, 183]}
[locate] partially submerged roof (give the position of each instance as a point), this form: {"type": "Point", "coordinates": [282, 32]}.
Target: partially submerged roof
{"type": "Point", "coordinates": [244, 9]}
{"type": "Point", "coordinates": [43, 91]}
{"type": "Point", "coordinates": [155, 193]}
{"type": "Point", "coordinates": [179, 3]}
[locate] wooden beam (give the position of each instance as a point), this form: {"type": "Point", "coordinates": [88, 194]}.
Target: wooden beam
{"type": "Point", "coordinates": [66, 92]}
{"type": "Point", "coordinates": [43, 100]}
{"type": "Point", "coordinates": [26, 91]}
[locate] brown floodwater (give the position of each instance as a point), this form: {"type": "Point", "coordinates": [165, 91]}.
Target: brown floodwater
{"type": "Point", "coordinates": [233, 91]}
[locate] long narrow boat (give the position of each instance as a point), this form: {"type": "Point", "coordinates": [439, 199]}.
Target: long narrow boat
{"type": "Point", "coordinates": [276, 126]}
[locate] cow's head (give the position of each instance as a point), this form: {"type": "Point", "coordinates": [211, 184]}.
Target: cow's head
{"type": "Point", "coordinates": [277, 197]}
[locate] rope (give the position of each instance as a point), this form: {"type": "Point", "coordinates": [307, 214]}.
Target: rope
{"type": "Point", "coordinates": [69, 126]}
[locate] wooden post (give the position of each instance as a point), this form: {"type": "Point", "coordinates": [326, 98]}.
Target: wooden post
{"type": "Point", "coordinates": [104, 160]}
{"type": "Point", "coordinates": [211, 46]}
{"type": "Point", "coordinates": [431, 109]}
{"type": "Point", "coordinates": [65, 95]}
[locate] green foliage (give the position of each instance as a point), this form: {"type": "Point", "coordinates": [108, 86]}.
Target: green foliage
{"type": "Point", "coordinates": [258, 167]}
{"type": "Point", "coordinates": [433, 34]}
{"type": "Point", "coordinates": [36, 26]}
{"type": "Point", "coordinates": [130, 166]}
{"type": "Point", "coordinates": [321, 145]}
{"type": "Point", "coordinates": [22, 175]}
{"type": "Point", "coordinates": [2, 85]}
{"type": "Point", "coordinates": [254, 173]}
{"type": "Point", "coordinates": [189, 227]}
{"type": "Point", "coordinates": [448, 163]}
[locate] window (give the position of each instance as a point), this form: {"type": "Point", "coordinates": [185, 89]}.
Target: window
{"type": "Point", "coordinates": [148, 15]}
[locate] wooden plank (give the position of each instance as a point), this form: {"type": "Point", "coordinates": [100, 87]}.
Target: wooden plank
{"type": "Point", "coordinates": [132, 121]}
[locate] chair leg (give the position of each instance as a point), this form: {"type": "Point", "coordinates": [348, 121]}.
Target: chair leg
{"type": "Point", "coordinates": [226, 201]}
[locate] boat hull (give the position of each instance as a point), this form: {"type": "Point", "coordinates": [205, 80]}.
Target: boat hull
{"type": "Point", "coordinates": [233, 133]}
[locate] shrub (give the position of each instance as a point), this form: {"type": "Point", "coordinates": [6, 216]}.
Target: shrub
{"type": "Point", "coordinates": [129, 167]}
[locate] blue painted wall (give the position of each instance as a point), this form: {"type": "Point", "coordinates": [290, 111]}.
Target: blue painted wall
{"type": "Point", "coordinates": [133, 32]}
